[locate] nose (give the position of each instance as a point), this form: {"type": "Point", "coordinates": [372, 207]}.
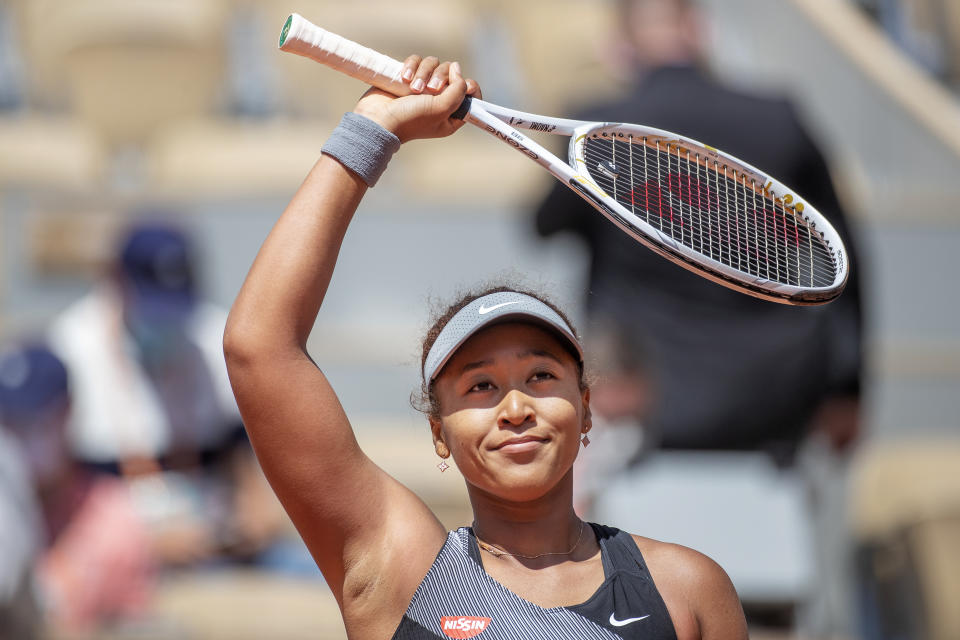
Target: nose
{"type": "Point", "coordinates": [515, 409]}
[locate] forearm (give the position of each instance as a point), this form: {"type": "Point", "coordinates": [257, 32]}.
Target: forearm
{"type": "Point", "coordinates": [279, 301]}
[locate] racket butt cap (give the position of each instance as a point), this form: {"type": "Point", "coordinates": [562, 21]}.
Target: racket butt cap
{"type": "Point", "coordinates": [285, 31]}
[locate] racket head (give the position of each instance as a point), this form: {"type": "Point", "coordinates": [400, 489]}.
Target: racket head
{"type": "Point", "coordinates": [709, 212]}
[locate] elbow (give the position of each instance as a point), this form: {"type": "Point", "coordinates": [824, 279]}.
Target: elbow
{"type": "Point", "coordinates": [238, 346]}
{"type": "Point", "coordinates": [250, 342]}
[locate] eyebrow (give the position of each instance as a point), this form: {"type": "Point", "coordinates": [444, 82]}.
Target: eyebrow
{"type": "Point", "coordinates": [477, 364]}
{"type": "Point", "coordinates": [542, 353]}
{"type": "Point", "coordinates": [470, 366]}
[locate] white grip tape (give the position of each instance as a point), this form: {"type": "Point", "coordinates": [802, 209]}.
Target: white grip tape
{"type": "Point", "coordinates": [372, 67]}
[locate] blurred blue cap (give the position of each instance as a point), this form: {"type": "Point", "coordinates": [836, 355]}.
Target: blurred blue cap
{"type": "Point", "coordinates": [156, 260]}
{"type": "Point", "coordinates": [32, 378]}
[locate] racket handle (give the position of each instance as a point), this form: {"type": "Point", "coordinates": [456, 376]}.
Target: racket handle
{"type": "Point", "coordinates": [304, 38]}
{"type": "Point", "coordinates": [463, 109]}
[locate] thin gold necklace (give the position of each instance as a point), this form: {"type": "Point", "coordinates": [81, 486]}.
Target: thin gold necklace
{"type": "Point", "coordinates": [497, 552]}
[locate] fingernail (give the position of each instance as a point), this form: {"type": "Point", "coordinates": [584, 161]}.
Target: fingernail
{"type": "Point", "coordinates": [417, 85]}
{"type": "Point", "coordinates": [455, 67]}
{"type": "Point", "coordinates": [434, 83]}
{"type": "Point", "coordinates": [407, 74]}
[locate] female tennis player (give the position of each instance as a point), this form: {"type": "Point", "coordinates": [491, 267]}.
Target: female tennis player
{"type": "Point", "coordinates": [503, 378]}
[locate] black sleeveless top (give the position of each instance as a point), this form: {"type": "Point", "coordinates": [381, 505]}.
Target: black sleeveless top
{"type": "Point", "coordinates": [457, 599]}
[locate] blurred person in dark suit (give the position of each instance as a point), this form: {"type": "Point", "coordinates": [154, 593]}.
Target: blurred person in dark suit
{"type": "Point", "coordinates": [701, 366]}
{"type": "Point", "coordinates": [91, 560]}
{"type": "Point", "coordinates": [152, 402]}
{"type": "Point", "coordinates": [693, 366]}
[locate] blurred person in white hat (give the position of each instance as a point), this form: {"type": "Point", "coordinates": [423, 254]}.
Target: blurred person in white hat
{"type": "Point", "coordinates": [152, 402]}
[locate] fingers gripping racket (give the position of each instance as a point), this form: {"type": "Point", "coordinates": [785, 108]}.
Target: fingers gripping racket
{"type": "Point", "coordinates": [694, 205]}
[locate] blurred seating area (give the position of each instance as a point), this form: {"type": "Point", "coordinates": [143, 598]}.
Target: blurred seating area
{"type": "Point", "coordinates": [908, 557]}
{"type": "Point", "coordinates": [190, 99]}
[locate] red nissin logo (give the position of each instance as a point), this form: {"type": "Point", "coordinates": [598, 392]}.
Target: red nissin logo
{"type": "Point", "coordinates": [463, 626]}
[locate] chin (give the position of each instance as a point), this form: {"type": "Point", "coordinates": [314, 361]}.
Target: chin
{"type": "Point", "coordinates": [523, 485]}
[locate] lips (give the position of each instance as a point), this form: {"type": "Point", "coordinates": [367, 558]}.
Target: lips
{"type": "Point", "coordinates": [520, 444]}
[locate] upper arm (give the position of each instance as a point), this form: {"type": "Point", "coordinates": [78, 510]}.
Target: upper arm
{"type": "Point", "coordinates": [712, 598]}
{"type": "Point", "coordinates": [718, 608]}
{"type": "Point", "coordinates": [697, 591]}
{"type": "Point", "coordinates": [350, 513]}
{"type": "Point", "coordinates": [340, 501]}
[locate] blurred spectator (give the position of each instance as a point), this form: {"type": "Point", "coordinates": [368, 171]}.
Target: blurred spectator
{"type": "Point", "coordinates": [693, 365]}
{"type": "Point", "coordinates": [701, 366]}
{"type": "Point", "coordinates": [151, 401]}
{"type": "Point", "coordinates": [94, 565]}
{"type": "Point", "coordinates": [20, 529]}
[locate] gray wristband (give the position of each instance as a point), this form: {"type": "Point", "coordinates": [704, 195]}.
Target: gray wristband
{"type": "Point", "coordinates": [362, 146]}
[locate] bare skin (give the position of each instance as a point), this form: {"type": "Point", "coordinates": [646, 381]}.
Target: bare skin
{"type": "Point", "coordinates": [512, 412]}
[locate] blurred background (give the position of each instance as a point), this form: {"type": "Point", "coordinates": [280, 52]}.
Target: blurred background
{"type": "Point", "coordinates": [147, 147]}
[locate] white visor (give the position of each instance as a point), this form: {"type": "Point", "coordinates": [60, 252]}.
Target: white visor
{"type": "Point", "coordinates": [494, 307]}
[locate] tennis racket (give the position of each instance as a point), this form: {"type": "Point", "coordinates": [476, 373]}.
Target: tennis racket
{"type": "Point", "coordinates": [694, 205]}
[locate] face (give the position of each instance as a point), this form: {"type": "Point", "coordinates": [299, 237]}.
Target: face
{"type": "Point", "coordinates": [157, 324]}
{"type": "Point", "coordinates": [662, 32]}
{"type": "Point", "coordinates": [512, 411]}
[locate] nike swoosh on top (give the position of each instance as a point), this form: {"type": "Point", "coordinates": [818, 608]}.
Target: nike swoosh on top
{"type": "Point", "coordinates": [485, 310]}
{"type": "Point", "coordinates": [623, 623]}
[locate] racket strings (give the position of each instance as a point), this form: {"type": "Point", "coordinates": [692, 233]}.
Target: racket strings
{"type": "Point", "coordinates": [710, 208]}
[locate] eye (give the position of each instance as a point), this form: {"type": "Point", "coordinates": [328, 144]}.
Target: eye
{"type": "Point", "coordinates": [541, 376]}
{"type": "Point", "coordinates": [480, 387]}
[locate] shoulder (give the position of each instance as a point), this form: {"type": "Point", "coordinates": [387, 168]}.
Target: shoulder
{"type": "Point", "coordinates": [693, 572]}
{"type": "Point", "coordinates": [693, 582]}
{"type": "Point", "coordinates": [91, 313]}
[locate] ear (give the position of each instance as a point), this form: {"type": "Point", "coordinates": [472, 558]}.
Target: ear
{"type": "Point", "coordinates": [439, 445]}
{"type": "Point", "coordinates": [587, 415]}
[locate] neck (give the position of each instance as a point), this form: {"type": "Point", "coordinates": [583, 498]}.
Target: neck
{"type": "Point", "coordinates": [547, 525]}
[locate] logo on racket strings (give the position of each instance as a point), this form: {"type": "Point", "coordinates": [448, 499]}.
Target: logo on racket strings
{"type": "Point", "coordinates": [463, 626]}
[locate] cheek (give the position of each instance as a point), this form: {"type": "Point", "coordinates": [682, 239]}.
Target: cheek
{"type": "Point", "coordinates": [564, 414]}
{"type": "Point", "coordinates": [464, 430]}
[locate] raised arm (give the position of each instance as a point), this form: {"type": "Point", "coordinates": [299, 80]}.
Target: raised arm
{"type": "Point", "coordinates": [343, 505]}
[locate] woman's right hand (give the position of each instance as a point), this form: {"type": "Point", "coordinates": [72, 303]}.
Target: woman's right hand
{"type": "Point", "coordinates": [437, 90]}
